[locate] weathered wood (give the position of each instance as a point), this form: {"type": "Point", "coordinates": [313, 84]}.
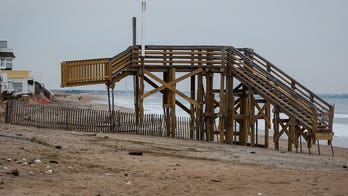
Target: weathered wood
{"type": "Point", "coordinates": [172, 103]}
{"type": "Point", "coordinates": [172, 82]}
{"type": "Point", "coordinates": [276, 123]}
{"type": "Point", "coordinates": [209, 109]}
{"type": "Point", "coordinates": [199, 110]}
{"type": "Point", "coordinates": [222, 112]}
{"type": "Point", "coordinates": [168, 86]}
{"type": "Point", "coordinates": [134, 28]}
{"type": "Point", "coordinates": [192, 107]}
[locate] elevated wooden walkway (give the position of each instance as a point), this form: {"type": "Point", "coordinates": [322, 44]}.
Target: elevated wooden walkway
{"type": "Point", "coordinates": [228, 111]}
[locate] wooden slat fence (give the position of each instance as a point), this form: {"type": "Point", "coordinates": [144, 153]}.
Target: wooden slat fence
{"type": "Point", "coordinates": [90, 120]}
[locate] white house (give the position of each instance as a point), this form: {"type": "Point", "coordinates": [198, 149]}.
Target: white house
{"type": "Point", "coordinates": [6, 56]}
{"type": "Point", "coordinates": [18, 82]}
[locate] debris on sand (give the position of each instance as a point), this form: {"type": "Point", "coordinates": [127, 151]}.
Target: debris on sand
{"type": "Point", "coordinates": [37, 161]}
{"type": "Point", "coordinates": [39, 141]}
{"type": "Point", "coordinates": [14, 172]}
{"type": "Point", "coordinates": [50, 171]}
{"type": "Point", "coordinates": [137, 153]}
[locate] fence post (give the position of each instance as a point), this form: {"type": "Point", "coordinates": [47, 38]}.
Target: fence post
{"type": "Point", "coordinates": [66, 118]}
{"type": "Point", "coordinates": [7, 112]}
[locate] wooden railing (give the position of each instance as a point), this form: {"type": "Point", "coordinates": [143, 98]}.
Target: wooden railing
{"type": "Point", "coordinates": [84, 72]}
{"type": "Point", "coordinates": [120, 63]}
{"type": "Point", "coordinates": [321, 110]}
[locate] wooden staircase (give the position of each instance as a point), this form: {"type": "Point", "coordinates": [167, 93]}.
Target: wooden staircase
{"type": "Point", "coordinates": [295, 100]}
{"type": "Point", "coordinates": [307, 111]}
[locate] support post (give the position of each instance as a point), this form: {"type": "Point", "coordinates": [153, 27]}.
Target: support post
{"type": "Point", "coordinates": [134, 27]}
{"type": "Point", "coordinates": [245, 126]}
{"type": "Point", "coordinates": [172, 103]}
{"type": "Point", "coordinates": [109, 100]}
{"type": "Point", "coordinates": [276, 122]}
{"type": "Point", "coordinates": [113, 109]}
{"type": "Point", "coordinates": [292, 133]}
{"type": "Point", "coordinates": [222, 112]}
{"type": "Point", "coordinates": [166, 105]}
{"type": "Point", "coordinates": [230, 109]}
{"type": "Point", "coordinates": [141, 101]}
{"type": "Point", "coordinates": [209, 107]}
{"type": "Point", "coordinates": [136, 96]}
{"type": "Point", "coordinates": [199, 111]}
{"type": "Point", "coordinates": [192, 107]}
{"type": "Point", "coordinates": [252, 119]}
{"type": "Point", "coordinates": [267, 123]}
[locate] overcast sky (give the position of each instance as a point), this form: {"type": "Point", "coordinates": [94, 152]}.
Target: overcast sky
{"type": "Point", "coordinates": [308, 39]}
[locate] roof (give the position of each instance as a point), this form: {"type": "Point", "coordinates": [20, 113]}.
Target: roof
{"type": "Point", "coordinates": [7, 54]}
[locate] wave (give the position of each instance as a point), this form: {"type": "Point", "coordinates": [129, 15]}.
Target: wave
{"type": "Point", "coordinates": [341, 115]}
{"type": "Point", "coordinates": [340, 129]}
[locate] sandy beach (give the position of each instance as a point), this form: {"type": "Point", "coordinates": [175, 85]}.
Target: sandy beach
{"type": "Point", "coordinates": [86, 101]}
{"type": "Point", "coordinates": [100, 164]}
{"type": "Point", "coordinates": [53, 162]}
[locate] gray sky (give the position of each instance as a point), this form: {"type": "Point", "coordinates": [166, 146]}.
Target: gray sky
{"type": "Point", "coordinates": [308, 39]}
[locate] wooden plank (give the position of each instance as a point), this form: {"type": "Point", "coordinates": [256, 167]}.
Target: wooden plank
{"type": "Point", "coordinates": [172, 102]}
{"type": "Point", "coordinates": [195, 72]}
{"type": "Point", "coordinates": [251, 101]}
{"type": "Point", "coordinates": [192, 107]}
{"type": "Point", "coordinates": [171, 88]}
{"type": "Point", "coordinates": [209, 109]}
{"type": "Point", "coordinates": [267, 123]}
{"type": "Point", "coordinates": [324, 136]}
{"type": "Point", "coordinates": [222, 105]}
{"type": "Point", "coordinates": [230, 110]}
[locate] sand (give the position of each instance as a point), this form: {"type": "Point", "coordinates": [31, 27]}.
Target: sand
{"type": "Point", "coordinates": [100, 164]}
{"type": "Point", "coordinates": [87, 101]}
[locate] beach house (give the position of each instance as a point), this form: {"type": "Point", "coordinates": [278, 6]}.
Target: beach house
{"type": "Point", "coordinates": [13, 81]}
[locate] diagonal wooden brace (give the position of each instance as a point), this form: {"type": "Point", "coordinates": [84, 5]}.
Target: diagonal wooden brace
{"type": "Point", "coordinates": [171, 83]}
{"type": "Point", "coordinates": [168, 86]}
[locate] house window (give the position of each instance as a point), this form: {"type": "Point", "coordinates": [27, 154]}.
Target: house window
{"type": "Point", "coordinates": [2, 63]}
{"type": "Point", "coordinates": [17, 86]}
{"type": "Point", "coordinates": [9, 66]}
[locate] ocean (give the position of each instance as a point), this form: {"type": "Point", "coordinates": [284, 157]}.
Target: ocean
{"type": "Point", "coordinates": [153, 105]}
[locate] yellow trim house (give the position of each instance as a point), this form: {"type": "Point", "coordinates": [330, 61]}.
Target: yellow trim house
{"type": "Point", "coordinates": [19, 82]}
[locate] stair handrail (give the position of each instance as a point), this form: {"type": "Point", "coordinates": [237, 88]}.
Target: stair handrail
{"type": "Point", "coordinates": [319, 104]}
{"type": "Point", "coordinates": [312, 95]}
{"type": "Point", "coordinates": [115, 66]}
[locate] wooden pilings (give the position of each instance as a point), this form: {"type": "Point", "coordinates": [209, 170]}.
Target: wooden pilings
{"type": "Point", "coordinates": [230, 92]}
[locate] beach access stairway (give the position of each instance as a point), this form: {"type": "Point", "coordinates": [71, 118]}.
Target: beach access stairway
{"type": "Point", "coordinates": [267, 80]}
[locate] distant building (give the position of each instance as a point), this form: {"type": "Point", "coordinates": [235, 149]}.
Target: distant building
{"type": "Point", "coordinates": [18, 82]}
{"type": "Point", "coordinates": [13, 81]}
{"type": "Point", "coordinates": [6, 56]}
